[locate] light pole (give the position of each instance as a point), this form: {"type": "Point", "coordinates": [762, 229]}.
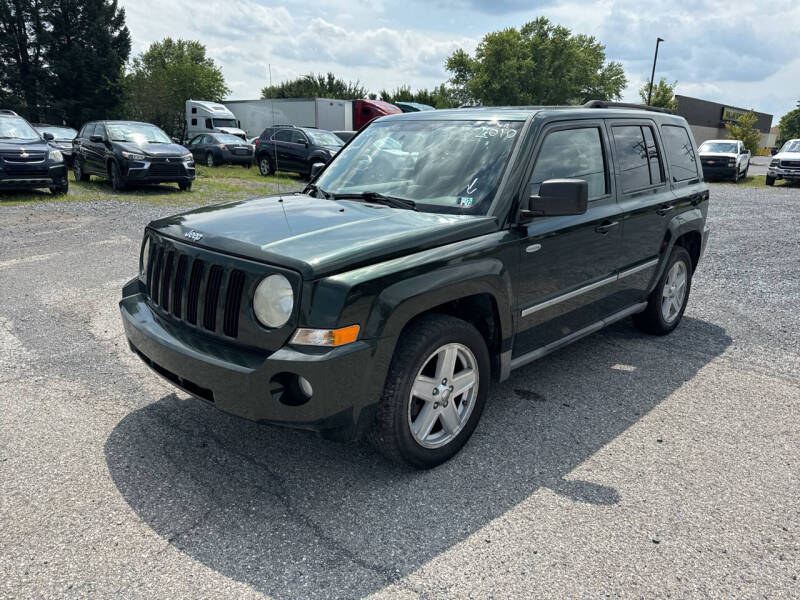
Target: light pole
{"type": "Point", "coordinates": [653, 74]}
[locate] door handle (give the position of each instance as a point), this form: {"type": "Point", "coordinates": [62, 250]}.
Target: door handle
{"type": "Point", "coordinates": [606, 226]}
{"type": "Point", "coordinates": [664, 209]}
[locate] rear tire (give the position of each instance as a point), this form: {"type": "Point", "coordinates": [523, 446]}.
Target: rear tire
{"type": "Point", "coordinates": [667, 303]}
{"type": "Point", "coordinates": [265, 165]}
{"type": "Point", "coordinates": [423, 420]}
{"type": "Point", "coordinates": [770, 180]}
{"type": "Point", "coordinates": [117, 182]}
{"type": "Point", "coordinates": [78, 172]}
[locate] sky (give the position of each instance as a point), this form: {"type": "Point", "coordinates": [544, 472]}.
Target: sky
{"type": "Point", "coordinates": [741, 54]}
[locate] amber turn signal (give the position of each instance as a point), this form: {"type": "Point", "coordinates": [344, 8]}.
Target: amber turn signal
{"type": "Point", "coordinates": [326, 337]}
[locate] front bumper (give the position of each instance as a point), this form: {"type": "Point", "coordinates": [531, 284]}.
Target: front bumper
{"type": "Point", "coordinates": [790, 174]}
{"type": "Point", "coordinates": [250, 382]}
{"type": "Point", "coordinates": [30, 179]}
{"type": "Point", "coordinates": [157, 172]}
{"type": "Point", "coordinates": [715, 171]}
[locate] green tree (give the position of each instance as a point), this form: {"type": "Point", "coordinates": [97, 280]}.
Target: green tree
{"type": "Point", "coordinates": [789, 126]}
{"type": "Point", "coordinates": [439, 97]}
{"type": "Point", "coordinates": [743, 129]}
{"type": "Point", "coordinates": [663, 94]}
{"type": "Point", "coordinates": [316, 86]}
{"type": "Point", "coordinates": [163, 78]}
{"type": "Point", "coordinates": [88, 47]}
{"type": "Point", "coordinates": [62, 59]}
{"type": "Point", "coordinates": [540, 63]}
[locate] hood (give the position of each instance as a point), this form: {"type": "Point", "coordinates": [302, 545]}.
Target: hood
{"type": "Point", "coordinates": [27, 145]}
{"type": "Point", "coordinates": [233, 131]}
{"type": "Point", "coordinates": [319, 237]}
{"type": "Point", "coordinates": [787, 156]}
{"type": "Point", "coordinates": [154, 149]}
{"type": "Point", "coordinates": [718, 154]}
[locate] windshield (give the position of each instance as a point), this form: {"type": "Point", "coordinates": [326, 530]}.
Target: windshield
{"type": "Point", "coordinates": [791, 146]}
{"type": "Point", "coordinates": [719, 147]}
{"type": "Point", "coordinates": [443, 166]}
{"type": "Point", "coordinates": [59, 133]}
{"type": "Point", "coordinates": [225, 123]}
{"type": "Point", "coordinates": [138, 133]}
{"type": "Point", "coordinates": [16, 128]}
{"type": "Point", "coordinates": [227, 138]}
{"type": "Point", "coordinates": [323, 138]}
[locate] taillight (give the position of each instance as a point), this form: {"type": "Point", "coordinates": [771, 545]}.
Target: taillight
{"type": "Point", "coordinates": [255, 143]}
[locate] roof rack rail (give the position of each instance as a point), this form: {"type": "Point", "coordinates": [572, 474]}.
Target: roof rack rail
{"type": "Point", "coordinates": [604, 104]}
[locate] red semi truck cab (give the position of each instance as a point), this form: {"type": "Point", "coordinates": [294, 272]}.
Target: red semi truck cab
{"type": "Point", "coordinates": [366, 110]}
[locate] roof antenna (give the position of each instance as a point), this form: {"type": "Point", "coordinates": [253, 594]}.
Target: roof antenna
{"type": "Point", "coordinates": [274, 144]}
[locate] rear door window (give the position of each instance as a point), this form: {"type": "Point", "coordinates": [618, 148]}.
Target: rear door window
{"type": "Point", "coordinates": [680, 152]}
{"type": "Point", "coordinates": [283, 135]}
{"type": "Point", "coordinates": [572, 154]}
{"type": "Point", "coordinates": [638, 157]}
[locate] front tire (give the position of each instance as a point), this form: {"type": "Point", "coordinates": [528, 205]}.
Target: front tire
{"type": "Point", "coordinates": [78, 172]}
{"type": "Point", "coordinates": [434, 393]}
{"type": "Point", "coordinates": [667, 303]}
{"type": "Point", "coordinates": [61, 188]}
{"type": "Point", "coordinates": [185, 186]}
{"type": "Point", "coordinates": [210, 160]}
{"type": "Point", "coordinates": [117, 182]}
{"type": "Point", "coordinates": [736, 175]}
{"type": "Point", "coordinates": [770, 180]}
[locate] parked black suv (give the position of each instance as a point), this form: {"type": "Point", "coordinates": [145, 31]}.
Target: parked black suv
{"type": "Point", "coordinates": [27, 161]}
{"type": "Point", "coordinates": [62, 138]}
{"type": "Point", "coordinates": [295, 149]}
{"type": "Point", "coordinates": [437, 252]}
{"type": "Point", "coordinates": [130, 153]}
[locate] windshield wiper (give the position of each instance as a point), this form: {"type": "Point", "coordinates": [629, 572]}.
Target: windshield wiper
{"type": "Point", "coordinates": [377, 198]}
{"type": "Point", "coordinates": [318, 191]}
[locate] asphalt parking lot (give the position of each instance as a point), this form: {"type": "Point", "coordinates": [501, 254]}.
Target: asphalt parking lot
{"type": "Point", "coordinates": [624, 465]}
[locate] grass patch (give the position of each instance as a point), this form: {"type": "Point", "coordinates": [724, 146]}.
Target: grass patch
{"type": "Point", "coordinates": [753, 181]}
{"type": "Point", "coordinates": [212, 185]}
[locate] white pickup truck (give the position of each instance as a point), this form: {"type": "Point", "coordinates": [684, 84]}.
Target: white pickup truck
{"type": "Point", "coordinates": [724, 158]}
{"type": "Point", "coordinates": [786, 163]}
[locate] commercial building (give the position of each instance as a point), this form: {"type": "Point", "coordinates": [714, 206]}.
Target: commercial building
{"type": "Point", "coordinates": [707, 120]}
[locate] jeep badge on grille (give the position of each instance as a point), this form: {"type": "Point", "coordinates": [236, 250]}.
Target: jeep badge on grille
{"type": "Point", "coordinates": [193, 235]}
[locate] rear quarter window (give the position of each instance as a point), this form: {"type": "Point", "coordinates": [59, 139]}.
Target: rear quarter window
{"type": "Point", "coordinates": [680, 152]}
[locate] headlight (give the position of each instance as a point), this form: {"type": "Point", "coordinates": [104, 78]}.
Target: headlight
{"type": "Point", "coordinates": [187, 157]}
{"type": "Point", "coordinates": [145, 260]}
{"type": "Point", "coordinates": [273, 301]}
{"type": "Point", "coordinates": [56, 156]}
{"type": "Point", "coordinates": [132, 156]}
{"type": "Point", "coordinates": [774, 162]}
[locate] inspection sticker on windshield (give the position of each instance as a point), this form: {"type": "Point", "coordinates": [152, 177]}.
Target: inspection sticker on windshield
{"type": "Point", "coordinates": [465, 201]}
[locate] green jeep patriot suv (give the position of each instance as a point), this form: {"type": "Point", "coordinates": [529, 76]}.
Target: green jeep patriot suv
{"type": "Point", "coordinates": [436, 253]}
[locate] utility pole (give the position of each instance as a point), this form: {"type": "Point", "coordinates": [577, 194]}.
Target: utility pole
{"type": "Point", "coordinates": [653, 74]}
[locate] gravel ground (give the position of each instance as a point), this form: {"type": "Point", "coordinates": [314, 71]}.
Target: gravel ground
{"type": "Point", "coordinates": [625, 465]}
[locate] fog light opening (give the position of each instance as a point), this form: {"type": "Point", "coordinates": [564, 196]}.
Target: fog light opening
{"type": "Point", "coordinates": [291, 389]}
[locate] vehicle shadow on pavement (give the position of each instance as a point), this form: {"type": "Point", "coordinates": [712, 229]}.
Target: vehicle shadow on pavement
{"type": "Point", "coordinates": [293, 515]}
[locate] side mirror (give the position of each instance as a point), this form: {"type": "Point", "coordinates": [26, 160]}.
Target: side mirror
{"type": "Point", "coordinates": [316, 168]}
{"type": "Point", "coordinates": [175, 140]}
{"type": "Point", "coordinates": [557, 198]}
{"type": "Point", "coordinates": [96, 139]}
{"type": "Point", "coordinates": [305, 143]}
{"type": "Point", "coordinates": [48, 137]}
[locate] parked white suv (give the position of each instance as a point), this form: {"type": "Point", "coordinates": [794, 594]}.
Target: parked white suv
{"type": "Point", "coordinates": [786, 163]}
{"type": "Point", "coordinates": [724, 158]}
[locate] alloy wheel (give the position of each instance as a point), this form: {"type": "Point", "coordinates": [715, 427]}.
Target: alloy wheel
{"type": "Point", "coordinates": [674, 292]}
{"type": "Point", "coordinates": [443, 395]}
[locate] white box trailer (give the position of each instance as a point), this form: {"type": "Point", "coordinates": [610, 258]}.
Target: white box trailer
{"type": "Point", "coordinates": [255, 116]}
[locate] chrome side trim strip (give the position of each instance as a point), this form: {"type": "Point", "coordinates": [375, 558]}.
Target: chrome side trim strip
{"type": "Point", "coordinates": [588, 288]}
{"type": "Point", "coordinates": [575, 335]}
{"type": "Point", "coordinates": [637, 268]}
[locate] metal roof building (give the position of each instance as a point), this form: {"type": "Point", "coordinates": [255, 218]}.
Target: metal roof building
{"type": "Point", "coordinates": [707, 119]}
